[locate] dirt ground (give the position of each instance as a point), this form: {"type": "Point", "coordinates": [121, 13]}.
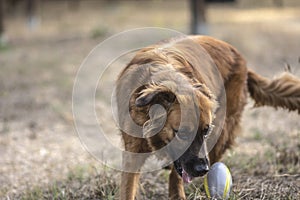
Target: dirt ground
{"type": "Point", "coordinates": [41, 156]}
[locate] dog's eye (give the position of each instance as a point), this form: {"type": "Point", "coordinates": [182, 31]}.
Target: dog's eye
{"type": "Point", "coordinates": [207, 130]}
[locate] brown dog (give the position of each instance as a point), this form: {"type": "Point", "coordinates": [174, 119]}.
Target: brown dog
{"type": "Point", "coordinates": [174, 56]}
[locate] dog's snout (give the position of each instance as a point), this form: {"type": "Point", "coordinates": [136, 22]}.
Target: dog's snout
{"type": "Point", "coordinates": [197, 167]}
{"type": "Point", "coordinates": [201, 168]}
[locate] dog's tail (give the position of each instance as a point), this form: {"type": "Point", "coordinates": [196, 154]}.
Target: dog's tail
{"type": "Point", "coordinates": [283, 91]}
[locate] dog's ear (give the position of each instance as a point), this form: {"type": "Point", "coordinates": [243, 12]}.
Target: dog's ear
{"type": "Point", "coordinates": [154, 93]}
{"type": "Point", "coordinates": [204, 90]}
{"type": "Point", "coordinates": [145, 99]}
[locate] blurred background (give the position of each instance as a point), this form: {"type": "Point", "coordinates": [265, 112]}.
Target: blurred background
{"type": "Point", "coordinates": [43, 43]}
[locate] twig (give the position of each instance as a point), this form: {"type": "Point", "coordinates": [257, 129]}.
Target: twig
{"type": "Point", "coordinates": [287, 67]}
{"type": "Point", "coordinates": [287, 175]}
{"type": "Point", "coordinates": [262, 196]}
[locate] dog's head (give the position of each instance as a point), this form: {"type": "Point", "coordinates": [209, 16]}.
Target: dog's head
{"type": "Point", "coordinates": [194, 161]}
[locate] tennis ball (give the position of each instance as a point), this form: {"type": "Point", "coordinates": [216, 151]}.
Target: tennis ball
{"type": "Point", "coordinates": [218, 181]}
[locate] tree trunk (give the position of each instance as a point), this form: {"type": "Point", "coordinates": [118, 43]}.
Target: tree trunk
{"type": "Point", "coordinates": [32, 16]}
{"type": "Point", "coordinates": [198, 19]}
{"type": "Point", "coordinates": [1, 17]}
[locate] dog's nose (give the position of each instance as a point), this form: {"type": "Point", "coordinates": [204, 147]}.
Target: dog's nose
{"type": "Point", "coordinates": [197, 166]}
{"type": "Point", "coordinates": [201, 169]}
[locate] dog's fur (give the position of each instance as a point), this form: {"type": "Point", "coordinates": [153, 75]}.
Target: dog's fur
{"type": "Point", "coordinates": [283, 91]}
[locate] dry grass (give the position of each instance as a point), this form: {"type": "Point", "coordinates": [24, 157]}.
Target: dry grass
{"type": "Point", "coordinates": [265, 177]}
{"type": "Point", "coordinates": [101, 186]}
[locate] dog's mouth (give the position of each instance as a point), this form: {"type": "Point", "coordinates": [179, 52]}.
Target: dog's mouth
{"type": "Point", "coordinates": [181, 171]}
{"type": "Point", "coordinates": [189, 170]}
{"type": "Point", "coordinates": [186, 177]}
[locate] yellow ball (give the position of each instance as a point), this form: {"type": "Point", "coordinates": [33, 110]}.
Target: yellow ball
{"type": "Point", "coordinates": [218, 181]}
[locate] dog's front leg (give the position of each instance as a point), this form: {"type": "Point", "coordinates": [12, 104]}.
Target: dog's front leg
{"type": "Point", "coordinates": [176, 189]}
{"type": "Point", "coordinates": [130, 180]}
{"type": "Point", "coordinates": [129, 185]}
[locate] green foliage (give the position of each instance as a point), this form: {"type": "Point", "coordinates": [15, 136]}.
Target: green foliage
{"type": "Point", "coordinates": [98, 32]}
